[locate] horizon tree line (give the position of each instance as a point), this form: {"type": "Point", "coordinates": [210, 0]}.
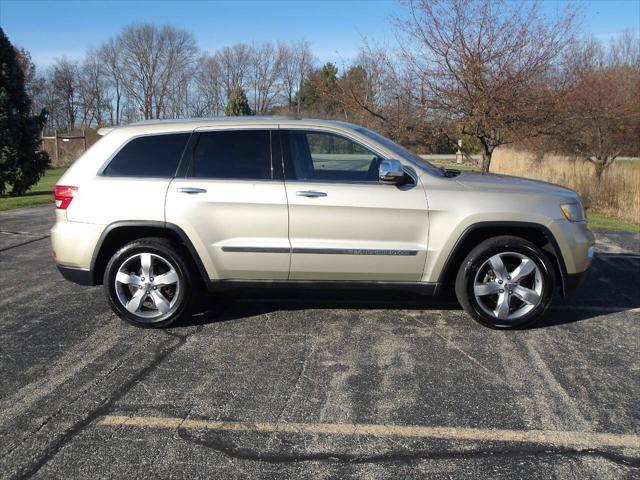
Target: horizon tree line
{"type": "Point", "coordinates": [489, 72]}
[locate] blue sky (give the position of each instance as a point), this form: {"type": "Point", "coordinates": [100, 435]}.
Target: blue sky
{"type": "Point", "coordinates": [52, 29]}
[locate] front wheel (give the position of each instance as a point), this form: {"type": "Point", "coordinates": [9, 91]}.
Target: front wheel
{"type": "Point", "coordinates": [505, 282]}
{"type": "Point", "coordinates": [147, 283]}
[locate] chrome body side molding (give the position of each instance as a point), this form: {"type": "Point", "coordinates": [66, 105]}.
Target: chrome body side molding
{"type": "Point", "coordinates": [322, 251]}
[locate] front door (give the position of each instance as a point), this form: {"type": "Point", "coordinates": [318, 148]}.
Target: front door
{"type": "Point", "coordinates": [343, 223]}
{"type": "Point", "coordinates": [232, 204]}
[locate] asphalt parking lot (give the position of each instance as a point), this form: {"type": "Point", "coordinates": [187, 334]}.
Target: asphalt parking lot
{"type": "Point", "coordinates": [314, 386]}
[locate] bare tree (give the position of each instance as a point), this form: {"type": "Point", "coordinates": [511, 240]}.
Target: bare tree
{"type": "Point", "coordinates": [109, 55]}
{"type": "Point", "coordinates": [94, 90]}
{"type": "Point", "coordinates": [179, 93]}
{"type": "Point", "coordinates": [485, 65]}
{"type": "Point", "coordinates": [65, 83]}
{"type": "Point", "coordinates": [601, 106]}
{"type": "Point", "coordinates": [209, 96]}
{"type": "Point", "coordinates": [625, 50]}
{"type": "Point", "coordinates": [295, 61]}
{"type": "Point", "coordinates": [263, 76]}
{"type": "Point", "coordinates": [234, 63]}
{"type": "Point", "coordinates": [151, 58]}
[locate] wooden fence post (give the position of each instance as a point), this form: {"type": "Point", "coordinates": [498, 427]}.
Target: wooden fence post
{"type": "Point", "coordinates": [55, 132]}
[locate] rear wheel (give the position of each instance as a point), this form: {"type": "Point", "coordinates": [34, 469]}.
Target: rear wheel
{"type": "Point", "coordinates": [505, 282]}
{"type": "Point", "coordinates": [148, 283]}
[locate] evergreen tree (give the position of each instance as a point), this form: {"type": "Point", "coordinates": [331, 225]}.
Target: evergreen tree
{"type": "Point", "coordinates": [21, 164]}
{"type": "Point", "coordinates": [237, 103]}
{"type": "Point", "coordinates": [318, 91]}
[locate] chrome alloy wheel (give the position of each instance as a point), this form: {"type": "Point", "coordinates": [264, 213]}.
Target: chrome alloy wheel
{"type": "Point", "coordinates": [508, 285]}
{"type": "Point", "coordinates": [147, 285]}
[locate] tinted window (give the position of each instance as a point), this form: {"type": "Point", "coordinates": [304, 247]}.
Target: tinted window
{"type": "Point", "coordinates": [235, 154]}
{"type": "Point", "coordinates": [149, 156]}
{"type": "Point", "coordinates": [325, 156]}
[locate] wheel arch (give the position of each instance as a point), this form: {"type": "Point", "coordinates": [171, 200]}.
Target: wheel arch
{"type": "Point", "coordinates": [117, 234]}
{"type": "Point", "coordinates": [536, 233]}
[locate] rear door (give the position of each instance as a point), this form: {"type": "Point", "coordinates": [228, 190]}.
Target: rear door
{"type": "Point", "coordinates": [343, 223]}
{"type": "Point", "coordinates": [232, 203]}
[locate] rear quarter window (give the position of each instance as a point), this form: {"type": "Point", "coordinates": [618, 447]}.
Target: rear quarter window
{"type": "Point", "coordinates": [149, 156]}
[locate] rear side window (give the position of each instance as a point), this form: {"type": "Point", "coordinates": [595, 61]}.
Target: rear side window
{"type": "Point", "coordinates": [233, 154]}
{"type": "Point", "coordinates": [148, 156]}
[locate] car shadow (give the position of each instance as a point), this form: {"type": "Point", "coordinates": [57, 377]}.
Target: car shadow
{"type": "Point", "coordinates": [246, 303]}
{"type": "Point", "coordinates": [611, 287]}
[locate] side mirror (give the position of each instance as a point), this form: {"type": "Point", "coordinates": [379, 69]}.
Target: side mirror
{"type": "Point", "coordinates": [390, 171]}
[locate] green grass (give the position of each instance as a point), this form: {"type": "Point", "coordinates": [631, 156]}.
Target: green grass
{"type": "Point", "coordinates": [597, 221]}
{"type": "Point", "coordinates": [628, 163]}
{"type": "Point", "coordinates": [463, 167]}
{"type": "Point", "coordinates": [41, 193]}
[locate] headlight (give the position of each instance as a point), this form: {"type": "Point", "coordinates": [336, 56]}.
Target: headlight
{"type": "Point", "coordinates": [573, 211]}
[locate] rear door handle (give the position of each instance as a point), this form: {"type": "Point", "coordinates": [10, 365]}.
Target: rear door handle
{"type": "Point", "coordinates": [191, 190]}
{"type": "Point", "coordinates": [310, 193]}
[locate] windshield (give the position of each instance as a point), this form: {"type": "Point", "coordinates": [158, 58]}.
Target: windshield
{"type": "Point", "coordinates": [400, 151]}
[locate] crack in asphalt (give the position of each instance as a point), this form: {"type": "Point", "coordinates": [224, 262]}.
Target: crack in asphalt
{"type": "Point", "coordinates": [230, 449]}
{"type": "Point", "coordinates": [24, 234]}
{"type": "Point", "coordinates": [23, 243]}
{"type": "Point", "coordinates": [162, 353]}
{"type": "Point", "coordinates": [61, 409]}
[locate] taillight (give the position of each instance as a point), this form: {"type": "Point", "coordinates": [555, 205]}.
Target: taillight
{"type": "Point", "coordinates": [63, 195]}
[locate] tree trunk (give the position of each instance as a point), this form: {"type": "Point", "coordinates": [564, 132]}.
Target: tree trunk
{"type": "Point", "coordinates": [486, 162]}
{"type": "Point", "coordinates": [117, 107]}
{"type": "Point", "coordinates": [487, 152]}
{"type": "Point", "coordinates": [600, 167]}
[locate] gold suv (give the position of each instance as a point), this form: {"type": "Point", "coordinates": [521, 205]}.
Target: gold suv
{"type": "Point", "coordinates": [155, 209]}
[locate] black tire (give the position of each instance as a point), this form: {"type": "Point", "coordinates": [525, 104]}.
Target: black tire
{"type": "Point", "coordinates": [475, 264]}
{"type": "Point", "coordinates": [164, 254]}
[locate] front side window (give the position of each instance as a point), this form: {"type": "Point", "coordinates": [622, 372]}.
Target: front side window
{"type": "Point", "coordinates": [149, 156]}
{"type": "Point", "coordinates": [330, 157]}
{"type": "Point", "coordinates": [401, 151]}
{"type": "Point", "coordinates": [233, 154]}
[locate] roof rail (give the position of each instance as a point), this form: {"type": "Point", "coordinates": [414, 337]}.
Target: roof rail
{"type": "Point", "coordinates": [218, 118]}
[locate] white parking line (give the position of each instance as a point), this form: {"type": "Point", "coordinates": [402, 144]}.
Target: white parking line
{"type": "Point", "coordinates": [546, 437]}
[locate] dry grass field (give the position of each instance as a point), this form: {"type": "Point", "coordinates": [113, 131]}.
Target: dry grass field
{"type": "Point", "coordinates": [618, 194]}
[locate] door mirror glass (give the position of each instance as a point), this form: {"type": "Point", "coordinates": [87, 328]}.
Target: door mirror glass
{"type": "Point", "coordinates": [390, 171]}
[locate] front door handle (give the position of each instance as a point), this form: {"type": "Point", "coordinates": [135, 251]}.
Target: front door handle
{"type": "Point", "coordinates": [310, 193]}
{"type": "Point", "coordinates": [191, 190]}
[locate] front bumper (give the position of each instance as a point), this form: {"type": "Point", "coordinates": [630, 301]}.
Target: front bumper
{"type": "Point", "coordinates": [573, 281]}
{"type": "Point", "coordinates": [576, 243]}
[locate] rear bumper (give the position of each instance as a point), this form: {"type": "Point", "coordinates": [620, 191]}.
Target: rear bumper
{"type": "Point", "coordinates": [74, 242]}
{"type": "Point", "coordinates": [76, 275]}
